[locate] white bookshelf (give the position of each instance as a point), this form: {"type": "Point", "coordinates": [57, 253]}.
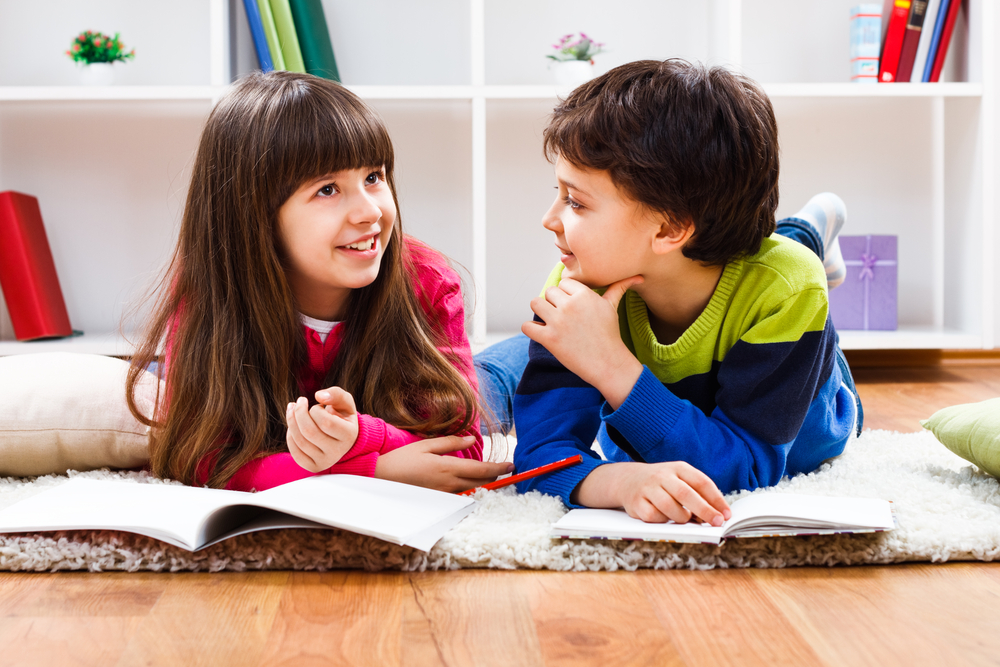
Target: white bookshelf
{"type": "Point", "coordinates": [471, 176]}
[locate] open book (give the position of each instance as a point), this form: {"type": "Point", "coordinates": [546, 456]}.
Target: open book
{"type": "Point", "coordinates": [194, 518]}
{"type": "Point", "coordinates": [757, 515]}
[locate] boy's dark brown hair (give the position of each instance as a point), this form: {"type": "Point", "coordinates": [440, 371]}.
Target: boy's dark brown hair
{"type": "Point", "coordinates": [228, 315]}
{"type": "Point", "coordinates": [694, 143]}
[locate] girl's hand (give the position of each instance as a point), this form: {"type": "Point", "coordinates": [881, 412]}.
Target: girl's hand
{"type": "Point", "coordinates": [421, 463]}
{"type": "Point", "coordinates": [319, 436]}
{"type": "Point", "coordinates": [655, 492]}
{"type": "Point", "coordinates": [581, 330]}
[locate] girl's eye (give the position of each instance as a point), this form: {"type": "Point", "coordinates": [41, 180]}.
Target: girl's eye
{"type": "Point", "coordinates": [569, 201]}
{"type": "Point", "coordinates": [374, 177]}
{"type": "Point", "coordinates": [327, 190]}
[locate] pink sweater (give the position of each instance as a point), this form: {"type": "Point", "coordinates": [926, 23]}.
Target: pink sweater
{"type": "Point", "coordinates": [439, 291]}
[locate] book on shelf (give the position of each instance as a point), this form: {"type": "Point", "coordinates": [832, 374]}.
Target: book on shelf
{"type": "Point", "coordinates": [271, 34]}
{"type": "Point", "coordinates": [756, 515]}
{"type": "Point", "coordinates": [911, 40]}
{"type": "Point", "coordinates": [314, 38]}
{"type": "Point", "coordinates": [866, 31]}
{"type": "Point", "coordinates": [942, 46]}
{"type": "Point", "coordinates": [194, 518]}
{"type": "Point", "coordinates": [899, 12]}
{"type": "Point", "coordinates": [28, 272]}
{"type": "Point", "coordinates": [924, 46]}
{"type": "Point", "coordinates": [258, 35]}
{"type": "Point", "coordinates": [288, 39]}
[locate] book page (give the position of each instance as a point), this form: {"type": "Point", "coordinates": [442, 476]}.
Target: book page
{"type": "Point", "coordinates": [790, 513]}
{"type": "Point", "coordinates": [397, 513]}
{"type": "Point", "coordinates": [168, 512]}
{"type": "Point", "coordinates": [617, 525]}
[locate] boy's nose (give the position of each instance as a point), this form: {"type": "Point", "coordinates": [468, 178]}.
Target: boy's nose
{"type": "Point", "coordinates": [551, 221]}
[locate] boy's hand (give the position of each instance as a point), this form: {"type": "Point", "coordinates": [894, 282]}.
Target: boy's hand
{"type": "Point", "coordinates": [581, 330]}
{"type": "Point", "coordinates": [421, 463]}
{"type": "Point", "coordinates": [655, 492]}
{"type": "Point", "coordinates": [319, 436]}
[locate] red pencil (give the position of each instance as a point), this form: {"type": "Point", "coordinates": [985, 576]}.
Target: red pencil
{"type": "Point", "coordinates": [534, 472]}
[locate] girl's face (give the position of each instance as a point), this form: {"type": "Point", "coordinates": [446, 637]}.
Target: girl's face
{"type": "Point", "coordinates": [334, 231]}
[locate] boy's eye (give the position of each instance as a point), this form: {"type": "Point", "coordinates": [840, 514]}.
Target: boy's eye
{"type": "Point", "coordinates": [569, 201]}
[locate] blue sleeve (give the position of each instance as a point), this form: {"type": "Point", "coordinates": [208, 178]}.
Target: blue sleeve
{"type": "Point", "coordinates": [557, 415]}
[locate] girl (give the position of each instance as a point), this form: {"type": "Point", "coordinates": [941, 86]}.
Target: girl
{"type": "Point", "coordinates": [304, 332]}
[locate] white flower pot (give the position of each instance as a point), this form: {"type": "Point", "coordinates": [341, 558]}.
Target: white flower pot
{"type": "Point", "coordinates": [573, 72]}
{"type": "Point", "coordinates": [97, 74]}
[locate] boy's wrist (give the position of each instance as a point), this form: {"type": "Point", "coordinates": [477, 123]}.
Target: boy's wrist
{"type": "Point", "coordinates": [618, 377]}
{"type": "Point", "coordinates": [599, 489]}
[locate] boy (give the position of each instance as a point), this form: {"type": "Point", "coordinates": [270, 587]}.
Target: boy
{"type": "Point", "coordinates": [709, 362]}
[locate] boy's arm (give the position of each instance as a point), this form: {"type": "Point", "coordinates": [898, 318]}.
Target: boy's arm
{"type": "Point", "coordinates": [767, 383]}
{"type": "Point", "coordinates": [557, 415]}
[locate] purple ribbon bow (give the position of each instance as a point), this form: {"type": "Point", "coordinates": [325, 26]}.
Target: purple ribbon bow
{"type": "Point", "coordinates": [868, 261]}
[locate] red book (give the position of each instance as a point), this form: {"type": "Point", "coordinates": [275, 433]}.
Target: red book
{"type": "Point", "coordinates": [942, 49]}
{"type": "Point", "coordinates": [27, 272]}
{"type": "Point", "coordinates": [911, 38]}
{"type": "Point", "coordinates": [893, 46]}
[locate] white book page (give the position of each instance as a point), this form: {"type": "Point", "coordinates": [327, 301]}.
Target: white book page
{"type": "Point", "coordinates": [397, 513]}
{"type": "Point", "coordinates": [616, 524]}
{"type": "Point", "coordinates": [789, 510]}
{"type": "Point", "coordinates": [172, 513]}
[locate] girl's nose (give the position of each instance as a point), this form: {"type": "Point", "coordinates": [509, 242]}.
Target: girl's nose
{"type": "Point", "coordinates": [364, 209]}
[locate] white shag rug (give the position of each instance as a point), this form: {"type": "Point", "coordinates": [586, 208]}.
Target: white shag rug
{"type": "Point", "coordinates": [947, 510]}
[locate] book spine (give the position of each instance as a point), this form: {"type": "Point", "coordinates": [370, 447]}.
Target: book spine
{"type": "Point", "coordinates": [932, 50]}
{"type": "Point", "coordinates": [889, 61]}
{"type": "Point", "coordinates": [27, 271]}
{"type": "Point", "coordinates": [911, 38]}
{"type": "Point", "coordinates": [259, 38]}
{"type": "Point", "coordinates": [314, 38]}
{"type": "Point", "coordinates": [287, 37]}
{"type": "Point", "coordinates": [923, 48]}
{"type": "Point", "coordinates": [866, 31]}
{"type": "Point", "coordinates": [271, 34]}
{"type": "Point", "coordinates": [942, 51]}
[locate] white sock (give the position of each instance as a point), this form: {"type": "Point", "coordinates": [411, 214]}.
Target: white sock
{"type": "Point", "coordinates": [828, 213]}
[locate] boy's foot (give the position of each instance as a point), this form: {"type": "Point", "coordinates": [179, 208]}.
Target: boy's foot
{"type": "Point", "coordinates": [827, 213]}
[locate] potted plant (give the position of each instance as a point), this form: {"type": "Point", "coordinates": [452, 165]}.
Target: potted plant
{"type": "Point", "coordinates": [574, 58]}
{"type": "Point", "coordinates": [98, 53]}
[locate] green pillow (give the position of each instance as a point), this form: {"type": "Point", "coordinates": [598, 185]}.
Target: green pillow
{"type": "Point", "coordinates": [972, 431]}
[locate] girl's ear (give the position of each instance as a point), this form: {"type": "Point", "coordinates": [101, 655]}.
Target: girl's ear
{"type": "Point", "coordinates": [672, 235]}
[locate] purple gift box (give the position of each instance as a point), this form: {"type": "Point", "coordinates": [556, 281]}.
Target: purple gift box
{"type": "Point", "coordinates": [866, 299]}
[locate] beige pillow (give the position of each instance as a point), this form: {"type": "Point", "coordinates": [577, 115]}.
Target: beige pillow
{"type": "Point", "coordinates": [64, 411]}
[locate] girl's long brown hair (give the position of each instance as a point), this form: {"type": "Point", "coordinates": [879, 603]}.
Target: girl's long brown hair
{"type": "Point", "coordinates": [225, 305]}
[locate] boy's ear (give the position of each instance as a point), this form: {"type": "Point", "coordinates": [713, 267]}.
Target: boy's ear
{"type": "Point", "coordinates": [672, 235]}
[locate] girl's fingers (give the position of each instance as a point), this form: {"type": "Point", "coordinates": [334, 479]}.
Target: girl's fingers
{"type": "Point", "coordinates": [481, 472]}
{"type": "Point", "coordinates": [297, 448]}
{"type": "Point", "coordinates": [448, 443]}
{"type": "Point", "coordinates": [341, 401]}
{"type": "Point", "coordinates": [330, 424]}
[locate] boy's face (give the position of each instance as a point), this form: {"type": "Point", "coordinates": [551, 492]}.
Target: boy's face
{"type": "Point", "coordinates": [603, 236]}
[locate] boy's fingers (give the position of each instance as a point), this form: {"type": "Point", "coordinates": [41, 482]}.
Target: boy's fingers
{"type": "Point", "coordinates": [707, 491]}
{"type": "Point", "coordinates": [616, 291]}
{"type": "Point", "coordinates": [646, 511]}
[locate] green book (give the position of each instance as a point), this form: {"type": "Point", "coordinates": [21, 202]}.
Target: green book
{"type": "Point", "coordinates": [286, 36]}
{"type": "Point", "coordinates": [271, 33]}
{"type": "Point", "coordinates": [314, 38]}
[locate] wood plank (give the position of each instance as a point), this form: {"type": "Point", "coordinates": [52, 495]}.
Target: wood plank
{"type": "Point", "coordinates": [472, 618]}
{"type": "Point", "coordinates": [915, 614]}
{"type": "Point", "coordinates": [65, 641]}
{"type": "Point", "coordinates": [341, 618]}
{"type": "Point", "coordinates": [208, 619]}
{"type": "Point", "coordinates": [597, 618]}
{"type": "Point", "coordinates": [721, 617]}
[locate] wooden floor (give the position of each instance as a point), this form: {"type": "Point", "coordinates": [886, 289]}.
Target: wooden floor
{"type": "Point", "coordinates": [917, 614]}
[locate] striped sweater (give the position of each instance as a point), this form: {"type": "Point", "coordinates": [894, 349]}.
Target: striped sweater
{"type": "Point", "coordinates": [750, 393]}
